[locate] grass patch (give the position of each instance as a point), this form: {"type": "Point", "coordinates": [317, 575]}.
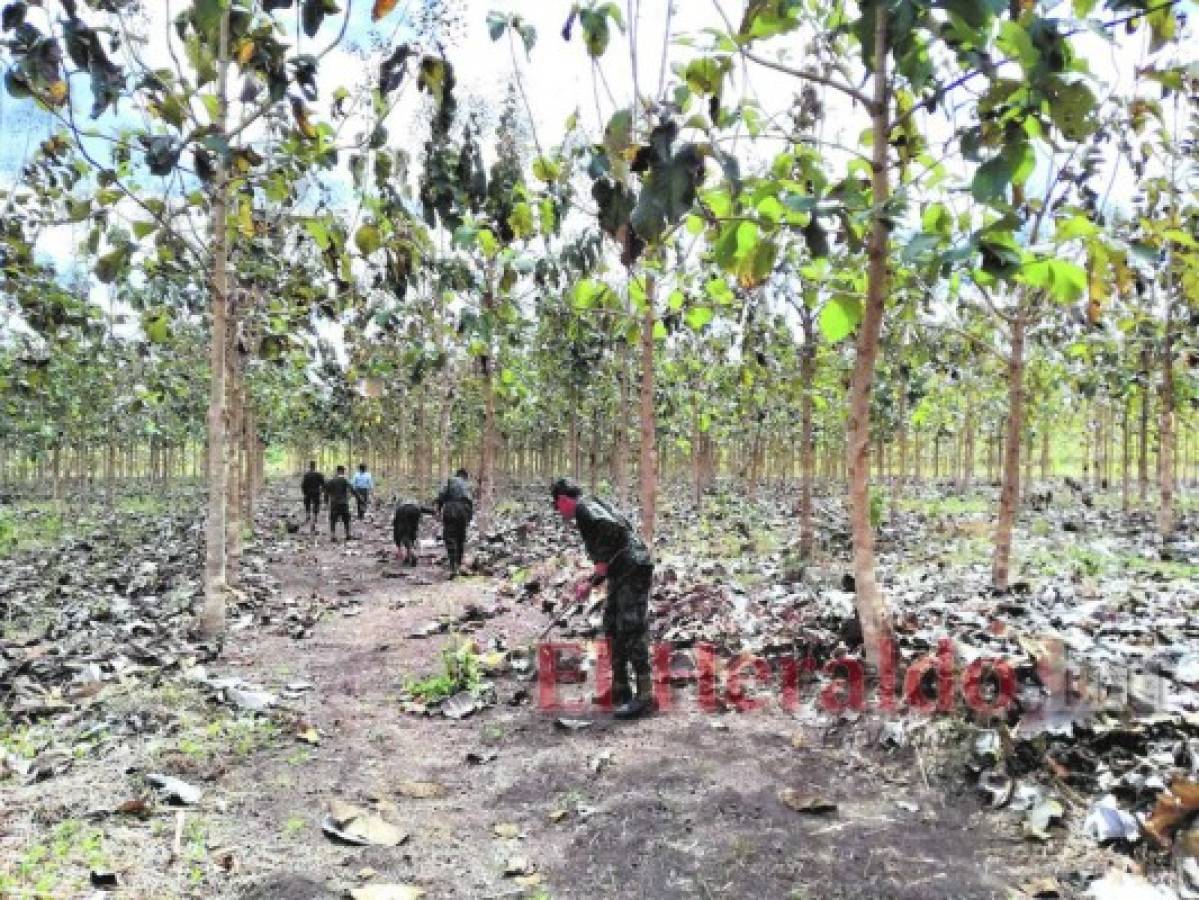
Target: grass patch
{"type": "Point", "coordinates": [56, 865]}
{"type": "Point", "coordinates": [948, 507]}
{"type": "Point", "coordinates": [460, 671]}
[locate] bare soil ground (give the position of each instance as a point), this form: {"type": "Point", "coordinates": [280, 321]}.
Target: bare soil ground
{"type": "Point", "coordinates": [682, 804]}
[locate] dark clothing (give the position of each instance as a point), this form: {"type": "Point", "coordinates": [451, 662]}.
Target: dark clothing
{"type": "Point", "coordinates": [455, 517]}
{"type": "Point", "coordinates": [312, 485]}
{"type": "Point", "coordinates": [406, 524]}
{"type": "Point", "coordinates": [339, 512]}
{"type": "Point", "coordinates": [337, 489]}
{"type": "Point", "coordinates": [362, 496]}
{"type": "Point", "coordinates": [611, 539]}
{"type": "Point", "coordinates": [456, 489]}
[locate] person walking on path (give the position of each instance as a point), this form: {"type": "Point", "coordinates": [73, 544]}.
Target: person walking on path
{"type": "Point", "coordinates": [337, 492]}
{"type": "Point", "coordinates": [405, 526]}
{"type": "Point", "coordinates": [362, 483]}
{"type": "Point", "coordinates": [456, 506]}
{"type": "Point", "coordinates": [312, 485]}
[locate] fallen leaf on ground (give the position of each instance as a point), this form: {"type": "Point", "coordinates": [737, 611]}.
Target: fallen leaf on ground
{"type": "Point", "coordinates": [459, 706]}
{"type": "Point", "coordinates": [507, 830]}
{"type": "Point", "coordinates": [175, 789]}
{"type": "Point", "coordinates": [806, 803]}
{"type": "Point", "coordinates": [135, 807]}
{"type": "Point", "coordinates": [1038, 819]}
{"type": "Point", "coordinates": [421, 790]}
{"type": "Point", "coordinates": [518, 865]}
{"type": "Point", "coordinates": [1173, 805]}
{"type": "Point", "coordinates": [1042, 887]}
{"type": "Point", "coordinates": [572, 724]}
{"type": "Point", "coordinates": [355, 825]}
{"type": "Point", "coordinates": [386, 892]}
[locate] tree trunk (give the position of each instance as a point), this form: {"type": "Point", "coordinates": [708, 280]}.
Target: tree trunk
{"type": "Point", "coordinates": [1009, 494]}
{"type": "Point", "coordinates": [620, 440]}
{"type": "Point", "coordinates": [1143, 449]}
{"type": "Point", "coordinates": [235, 442]}
{"type": "Point", "coordinates": [212, 620]}
{"type": "Point", "coordinates": [487, 468]}
{"type": "Point", "coordinates": [649, 453]}
{"type": "Point", "coordinates": [807, 375]}
{"type": "Point", "coordinates": [1124, 454]}
{"type": "Point", "coordinates": [871, 605]}
{"type": "Point", "coordinates": [1165, 456]}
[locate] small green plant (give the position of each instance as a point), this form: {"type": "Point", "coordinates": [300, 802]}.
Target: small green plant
{"type": "Point", "coordinates": [294, 825]}
{"type": "Point", "coordinates": [460, 672]}
{"type": "Point", "coordinates": [8, 532]}
{"type": "Point", "coordinates": [878, 506]}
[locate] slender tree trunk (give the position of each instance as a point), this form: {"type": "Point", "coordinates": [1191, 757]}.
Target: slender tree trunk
{"type": "Point", "coordinates": [212, 620]}
{"type": "Point", "coordinates": [649, 451]}
{"type": "Point", "coordinates": [1143, 448]}
{"type": "Point", "coordinates": [1009, 494]}
{"type": "Point", "coordinates": [807, 375]}
{"type": "Point", "coordinates": [1165, 456]}
{"type": "Point", "coordinates": [235, 442]}
{"type": "Point", "coordinates": [1045, 437]}
{"type": "Point", "coordinates": [620, 441]}
{"type": "Point", "coordinates": [871, 605]}
{"type": "Point", "coordinates": [487, 468]}
{"type": "Point", "coordinates": [1125, 453]}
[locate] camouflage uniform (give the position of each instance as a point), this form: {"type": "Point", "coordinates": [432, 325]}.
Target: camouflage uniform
{"type": "Point", "coordinates": [609, 538]}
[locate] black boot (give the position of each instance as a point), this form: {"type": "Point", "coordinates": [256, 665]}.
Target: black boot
{"type": "Point", "coordinates": [621, 694]}
{"type": "Point", "coordinates": [642, 703]}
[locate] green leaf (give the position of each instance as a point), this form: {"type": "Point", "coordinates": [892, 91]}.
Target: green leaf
{"type": "Point", "coordinates": [144, 229]}
{"type": "Point", "coordinates": [1014, 41]}
{"type": "Point", "coordinates": [618, 133]}
{"type": "Point", "coordinates": [699, 316]}
{"type": "Point", "coordinates": [936, 220]}
{"type": "Point", "coordinates": [718, 291]}
{"type": "Point", "coordinates": [1075, 227]}
{"type": "Point", "coordinates": [659, 331]}
{"type": "Point", "coordinates": [770, 209]}
{"type": "Point", "coordinates": [368, 239]}
{"type": "Point", "coordinates": [839, 317]}
{"type": "Point", "coordinates": [112, 264]}
{"type": "Point", "coordinates": [1065, 281]}
{"type": "Point", "coordinates": [156, 325]}
{"type": "Point", "coordinates": [521, 220]}
{"type": "Point", "coordinates": [1072, 108]}
{"type": "Point", "coordinates": [992, 178]}
{"type": "Point", "coordinates": [319, 230]}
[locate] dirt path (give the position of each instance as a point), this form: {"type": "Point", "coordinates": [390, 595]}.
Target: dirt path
{"type": "Point", "coordinates": [683, 804]}
{"type": "Point", "coordinates": [680, 805]}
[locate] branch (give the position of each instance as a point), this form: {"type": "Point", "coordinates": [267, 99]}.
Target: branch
{"type": "Point", "coordinates": [810, 76]}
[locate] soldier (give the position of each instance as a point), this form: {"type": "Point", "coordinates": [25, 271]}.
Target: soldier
{"type": "Point", "coordinates": [337, 491]}
{"type": "Point", "coordinates": [311, 486]}
{"type": "Point", "coordinates": [456, 506]}
{"type": "Point", "coordinates": [404, 528]}
{"type": "Point", "coordinates": [621, 559]}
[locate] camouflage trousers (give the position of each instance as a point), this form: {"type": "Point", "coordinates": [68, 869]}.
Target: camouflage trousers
{"type": "Point", "coordinates": [626, 625]}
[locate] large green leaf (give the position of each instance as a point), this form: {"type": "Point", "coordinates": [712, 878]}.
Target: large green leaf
{"type": "Point", "coordinates": [839, 317]}
{"type": "Point", "coordinates": [368, 239]}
